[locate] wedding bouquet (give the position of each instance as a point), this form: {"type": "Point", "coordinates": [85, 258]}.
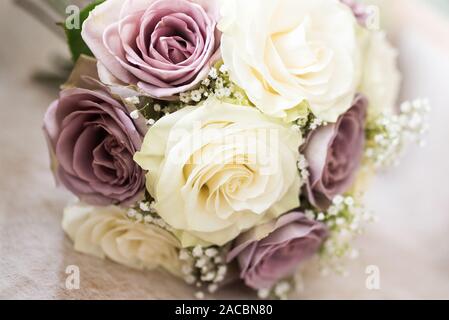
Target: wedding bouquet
{"type": "Point", "coordinates": [226, 140]}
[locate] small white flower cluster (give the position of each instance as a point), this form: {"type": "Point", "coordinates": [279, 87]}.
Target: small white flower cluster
{"type": "Point", "coordinates": [303, 168]}
{"type": "Point", "coordinates": [315, 123]}
{"type": "Point", "coordinates": [280, 290]}
{"type": "Point", "coordinates": [216, 84]}
{"type": "Point", "coordinates": [388, 134]}
{"type": "Point", "coordinates": [303, 121]}
{"type": "Point", "coordinates": [133, 102]}
{"type": "Point", "coordinates": [204, 267]}
{"type": "Point", "coordinates": [150, 109]}
{"type": "Point", "coordinates": [308, 122]}
{"type": "Point", "coordinates": [145, 213]}
{"type": "Point", "coordinates": [345, 220]}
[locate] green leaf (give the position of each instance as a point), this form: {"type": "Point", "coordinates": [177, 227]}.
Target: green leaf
{"type": "Point", "coordinates": [76, 43]}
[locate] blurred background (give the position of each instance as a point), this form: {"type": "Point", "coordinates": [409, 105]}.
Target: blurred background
{"type": "Point", "coordinates": [409, 243]}
{"type": "Point", "coordinates": [441, 4]}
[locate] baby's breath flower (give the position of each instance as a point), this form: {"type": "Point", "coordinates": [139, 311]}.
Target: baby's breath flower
{"type": "Point", "coordinates": [185, 97]}
{"type": "Point", "coordinates": [216, 84]}
{"type": "Point", "coordinates": [321, 216]}
{"type": "Point", "coordinates": [223, 68]}
{"type": "Point", "coordinates": [280, 290]}
{"type": "Point", "coordinates": [212, 288]}
{"type": "Point", "coordinates": [157, 107]}
{"type": "Point", "coordinates": [144, 212]}
{"type": "Point", "coordinates": [263, 293]}
{"type": "Point", "coordinates": [343, 219]}
{"type": "Point", "coordinates": [211, 252]}
{"type": "Point", "coordinates": [316, 123]}
{"type": "Point", "coordinates": [133, 100]}
{"type": "Point", "coordinates": [204, 266]}
{"type": "Point", "coordinates": [196, 95]}
{"type": "Point", "coordinates": [144, 206]}
{"type": "Point", "coordinates": [213, 74]}
{"type": "Point", "coordinates": [206, 82]}
{"type": "Point", "coordinates": [310, 214]}
{"type": "Point", "coordinates": [199, 295]}
{"type": "Point", "coordinates": [166, 110]}
{"type": "Point", "coordinates": [197, 251]}
{"type": "Point", "coordinates": [135, 114]}
{"type": "Point", "coordinates": [303, 168]}
{"type": "Point", "coordinates": [387, 134]}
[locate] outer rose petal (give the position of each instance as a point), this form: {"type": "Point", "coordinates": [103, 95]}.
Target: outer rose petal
{"type": "Point", "coordinates": [92, 32]}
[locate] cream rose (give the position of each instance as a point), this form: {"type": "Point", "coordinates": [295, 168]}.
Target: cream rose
{"type": "Point", "coordinates": [286, 52]}
{"type": "Point", "coordinates": [220, 169]}
{"type": "Point", "coordinates": [105, 232]}
{"type": "Point", "coordinates": [381, 78]}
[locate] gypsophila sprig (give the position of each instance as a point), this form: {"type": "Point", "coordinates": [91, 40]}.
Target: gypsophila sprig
{"type": "Point", "coordinates": [308, 122]}
{"type": "Point", "coordinates": [302, 168]}
{"type": "Point", "coordinates": [217, 84]}
{"type": "Point", "coordinates": [145, 212]}
{"type": "Point", "coordinates": [151, 109]}
{"type": "Point", "coordinates": [280, 291]}
{"type": "Point", "coordinates": [388, 134]}
{"type": "Point", "coordinates": [205, 268]}
{"type": "Point", "coordinates": [345, 220]}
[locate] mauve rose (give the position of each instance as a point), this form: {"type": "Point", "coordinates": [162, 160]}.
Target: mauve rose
{"type": "Point", "coordinates": [273, 251]}
{"type": "Point", "coordinates": [334, 153]}
{"type": "Point", "coordinates": [164, 47]}
{"type": "Point", "coordinates": [93, 141]}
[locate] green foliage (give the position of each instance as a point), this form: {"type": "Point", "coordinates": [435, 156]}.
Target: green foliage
{"type": "Point", "coordinates": [76, 43]}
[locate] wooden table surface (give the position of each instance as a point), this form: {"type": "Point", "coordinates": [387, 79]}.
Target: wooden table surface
{"type": "Point", "coordinates": [409, 244]}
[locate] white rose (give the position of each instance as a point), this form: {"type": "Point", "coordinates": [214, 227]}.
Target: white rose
{"type": "Point", "coordinates": [285, 52]}
{"type": "Point", "coordinates": [381, 78]}
{"type": "Point", "coordinates": [106, 232]}
{"type": "Point", "coordinates": [220, 169]}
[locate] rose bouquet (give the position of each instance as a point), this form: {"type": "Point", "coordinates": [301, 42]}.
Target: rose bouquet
{"type": "Point", "coordinates": [226, 140]}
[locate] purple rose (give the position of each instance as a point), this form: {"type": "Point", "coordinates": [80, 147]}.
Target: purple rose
{"type": "Point", "coordinates": [334, 153]}
{"type": "Point", "coordinates": [284, 245]}
{"type": "Point", "coordinates": [163, 47]}
{"type": "Point", "coordinates": [93, 141]}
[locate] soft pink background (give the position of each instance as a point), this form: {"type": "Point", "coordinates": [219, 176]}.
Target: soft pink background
{"type": "Point", "coordinates": [409, 243]}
